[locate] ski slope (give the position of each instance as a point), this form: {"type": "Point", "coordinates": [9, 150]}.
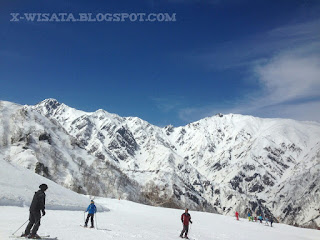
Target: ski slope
{"type": "Point", "coordinates": [129, 220]}
{"type": "Point", "coordinates": [18, 185]}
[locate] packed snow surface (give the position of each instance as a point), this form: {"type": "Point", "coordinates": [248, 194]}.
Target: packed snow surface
{"type": "Point", "coordinates": [128, 220]}
{"type": "Point", "coordinates": [18, 185]}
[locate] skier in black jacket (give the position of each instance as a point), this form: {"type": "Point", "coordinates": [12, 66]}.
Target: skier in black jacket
{"type": "Point", "coordinates": [37, 205]}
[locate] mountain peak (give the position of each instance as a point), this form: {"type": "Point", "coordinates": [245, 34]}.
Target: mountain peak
{"type": "Point", "coordinates": [53, 103]}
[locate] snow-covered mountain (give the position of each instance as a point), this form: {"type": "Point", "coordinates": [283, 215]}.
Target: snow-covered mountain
{"type": "Point", "coordinates": [220, 164]}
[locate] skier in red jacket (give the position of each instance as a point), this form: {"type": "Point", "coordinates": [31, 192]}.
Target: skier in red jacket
{"type": "Point", "coordinates": [185, 219]}
{"type": "Point", "coordinates": [237, 215]}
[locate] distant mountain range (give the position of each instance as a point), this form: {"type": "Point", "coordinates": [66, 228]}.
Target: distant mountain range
{"type": "Point", "coordinates": [219, 164]}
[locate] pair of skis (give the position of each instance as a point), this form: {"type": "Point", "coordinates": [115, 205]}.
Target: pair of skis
{"type": "Point", "coordinates": [102, 229]}
{"type": "Point", "coordinates": [47, 237]}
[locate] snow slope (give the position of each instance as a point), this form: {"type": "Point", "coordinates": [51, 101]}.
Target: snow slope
{"type": "Point", "coordinates": [132, 221]}
{"type": "Point", "coordinates": [17, 187]}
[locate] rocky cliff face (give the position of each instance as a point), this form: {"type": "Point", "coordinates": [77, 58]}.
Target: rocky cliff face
{"type": "Point", "coordinates": [220, 164]}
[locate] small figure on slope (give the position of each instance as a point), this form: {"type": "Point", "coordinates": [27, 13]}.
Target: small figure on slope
{"type": "Point", "coordinates": [92, 209]}
{"type": "Point", "coordinates": [271, 221]}
{"type": "Point", "coordinates": [237, 215]}
{"type": "Point", "coordinates": [37, 205]}
{"type": "Point", "coordinates": [260, 219]}
{"type": "Point", "coordinates": [185, 219]}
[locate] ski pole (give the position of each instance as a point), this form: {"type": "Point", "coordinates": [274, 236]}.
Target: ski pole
{"type": "Point", "coordinates": [96, 221]}
{"type": "Point", "coordinates": [20, 227]}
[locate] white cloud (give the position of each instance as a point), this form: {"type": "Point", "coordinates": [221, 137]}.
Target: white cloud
{"type": "Point", "coordinates": [289, 77]}
{"type": "Point", "coordinates": [252, 49]}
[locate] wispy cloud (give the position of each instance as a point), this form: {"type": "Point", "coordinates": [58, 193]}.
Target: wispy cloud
{"type": "Point", "coordinates": [168, 103]}
{"type": "Point", "coordinates": [255, 48]}
{"type": "Point", "coordinates": [286, 64]}
{"type": "Point", "coordinates": [290, 77]}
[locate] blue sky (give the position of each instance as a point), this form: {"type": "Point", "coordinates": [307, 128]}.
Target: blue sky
{"type": "Point", "coordinates": [250, 57]}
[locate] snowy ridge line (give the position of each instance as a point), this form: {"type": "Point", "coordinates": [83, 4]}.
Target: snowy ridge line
{"type": "Point", "coordinates": [222, 164]}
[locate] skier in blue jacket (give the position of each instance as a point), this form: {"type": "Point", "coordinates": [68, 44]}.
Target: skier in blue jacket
{"type": "Point", "coordinates": [92, 209]}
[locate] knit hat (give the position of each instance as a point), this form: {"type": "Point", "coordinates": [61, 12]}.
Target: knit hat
{"type": "Point", "coordinates": [43, 187]}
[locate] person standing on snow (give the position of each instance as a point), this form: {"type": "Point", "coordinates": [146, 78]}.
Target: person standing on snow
{"type": "Point", "coordinates": [237, 215]}
{"type": "Point", "coordinates": [92, 209]}
{"type": "Point", "coordinates": [37, 205]}
{"type": "Point", "coordinates": [185, 219]}
{"type": "Point", "coordinates": [271, 221]}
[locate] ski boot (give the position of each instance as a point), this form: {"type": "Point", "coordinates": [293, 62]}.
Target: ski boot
{"type": "Point", "coordinates": [34, 236]}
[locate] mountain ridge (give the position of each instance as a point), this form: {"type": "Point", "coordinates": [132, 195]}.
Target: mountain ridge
{"type": "Point", "coordinates": [219, 164]}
